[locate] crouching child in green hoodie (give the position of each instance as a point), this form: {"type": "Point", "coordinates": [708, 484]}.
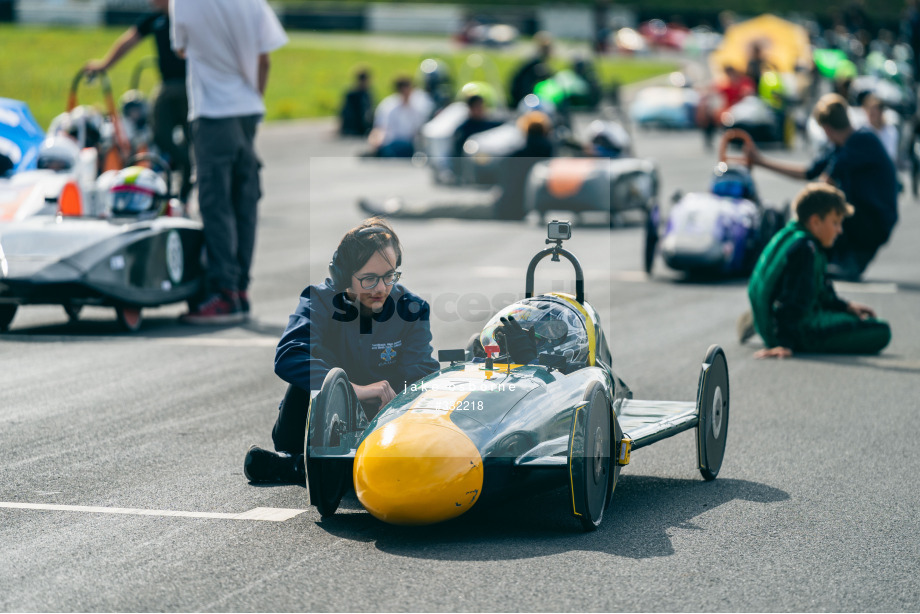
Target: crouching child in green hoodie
{"type": "Point", "coordinates": [793, 303]}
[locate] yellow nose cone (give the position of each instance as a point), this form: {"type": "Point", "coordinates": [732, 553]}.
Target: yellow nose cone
{"type": "Point", "coordinates": [417, 470]}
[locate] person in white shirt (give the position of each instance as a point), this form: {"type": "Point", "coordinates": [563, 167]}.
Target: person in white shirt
{"type": "Point", "coordinates": [886, 133]}
{"type": "Point", "coordinates": [398, 119]}
{"type": "Point", "coordinates": [226, 44]}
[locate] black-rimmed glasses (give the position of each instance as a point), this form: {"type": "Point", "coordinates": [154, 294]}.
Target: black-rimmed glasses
{"type": "Point", "coordinates": [369, 282]}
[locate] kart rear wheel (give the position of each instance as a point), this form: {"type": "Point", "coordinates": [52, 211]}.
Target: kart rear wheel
{"type": "Point", "coordinates": [73, 311]}
{"type": "Point", "coordinates": [129, 318]}
{"type": "Point", "coordinates": [651, 241]}
{"type": "Point", "coordinates": [591, 466]}
{"type": "Point", "coordinates": [712, 404]}
{"type": "Point", "coordinates": [330, 415]}
{"type": "Point", "coordinates": [7, 313]}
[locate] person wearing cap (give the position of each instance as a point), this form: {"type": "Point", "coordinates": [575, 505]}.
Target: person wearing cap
{"type": "Point", "coordinates": [794, 307]}
{"type": "Point", "coordinates": [360, 320]}
{"type": "Point", "coordinates": [857, 163]}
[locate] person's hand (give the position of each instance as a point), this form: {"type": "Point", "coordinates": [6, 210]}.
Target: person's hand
{"type": "Point", "coordinates": [521, 344]}
{"type": "Point", "coordinates": [777, 352]}
{"type": "Point", "coordinates": [93, 67]}
{"type": "Point", "coordinates": [754, 155]}
{"type": "Point", "coordinates": [378, 390]}
{"type": "Point", "coordinates": [860, 311]}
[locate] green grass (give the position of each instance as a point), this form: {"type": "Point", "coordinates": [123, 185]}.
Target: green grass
{"type": "Point", "coordinates": [307, 79]}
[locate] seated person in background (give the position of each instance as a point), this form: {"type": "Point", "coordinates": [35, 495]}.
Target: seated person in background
{"type": "Point", "coordinates": [342, 323]}
{"type": "Point", "coordinates": [886, 133]}
{"type": "Point", "coordinates": [476, 122]}
{"type": "Point", "coordinates": [398, 119]}
{"type": "Point", "coordinates": [357, 115]}
{"type": "Point", "coordinates": [857, 163]}
{"type": "Point", "coordinates": [793, 304]}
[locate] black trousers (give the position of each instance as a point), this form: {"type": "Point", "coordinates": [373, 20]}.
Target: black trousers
{"type": "Point", "coordinates": [288, 432]}
{"type": "Point", "coordinates": [228, 196]}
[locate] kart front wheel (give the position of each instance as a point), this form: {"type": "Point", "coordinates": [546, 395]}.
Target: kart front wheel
{"type": "Point", "coordinates": [73, 311]}
{"type": "Point", "coordinates": [328, 419]}
{"type": "Point", "coordinates": [7, 313]}
{"type": "Point", "coordinates": [129, 318]}
{"type": "Point", "coordinates": [591, 466]}
{"type": "Point", "coordinates": [712, 404]}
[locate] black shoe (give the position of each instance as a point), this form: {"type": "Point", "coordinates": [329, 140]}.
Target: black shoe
{"type": "Point", "coordinates": [265, 467]}
{"type": "Point", "coordinates": [244, 302]}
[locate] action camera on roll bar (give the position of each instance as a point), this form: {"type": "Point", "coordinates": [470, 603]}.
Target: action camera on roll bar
{"type": "Point", "coordinates": [558, 231]}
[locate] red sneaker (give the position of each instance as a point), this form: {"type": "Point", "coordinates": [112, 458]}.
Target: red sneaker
{"type": "Point", "coordinates": [219, 308]}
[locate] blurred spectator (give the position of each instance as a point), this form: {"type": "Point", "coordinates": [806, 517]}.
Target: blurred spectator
{"type": "Point", "coordinates": [734, 86]}
{"type": "Point", "coordinates": [857, 163]}
{"type": "Point", "coordinates": [476, 122]}
{"type": "Point", "coordinates": [227, 43]}
{"type": "Point", "coordinates": [910, 25]}
{"type": "Point", "coordinates": [534, 70]}
{"type": "Point", "coordinates": [886, 133]}
{"type": "Point", "coordinates": [730, 88]}
{"type": "Point", "coordinates": [398, 119]}
{"type": "Point", "coordinates": [170, 110]}
{"type": "Point", "coordinates": [757, 64]}
{"type": "Point", "coordinates": [357, 113]}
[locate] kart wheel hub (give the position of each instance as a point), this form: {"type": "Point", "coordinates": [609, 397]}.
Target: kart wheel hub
{"type": "Point", "coordinates": [717, 413]}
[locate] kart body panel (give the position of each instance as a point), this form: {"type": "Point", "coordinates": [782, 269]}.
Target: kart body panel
{"type": "Point", "coordinates": [591, 184]}
{"type": "Point", "coordinates": [709, 233]}
{"type": "Point", "coordinates": [113, 262]}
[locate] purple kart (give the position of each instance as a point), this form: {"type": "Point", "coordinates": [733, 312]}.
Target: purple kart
{"type": "Point", "coordinates": [719, 233]}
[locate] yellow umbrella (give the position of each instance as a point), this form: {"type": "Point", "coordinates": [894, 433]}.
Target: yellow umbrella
{"type": "Point", "coordinates": [784, 44]}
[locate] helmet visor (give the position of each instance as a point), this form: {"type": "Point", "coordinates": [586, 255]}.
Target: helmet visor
{"type": "Point", "coordinates": [132, 201]}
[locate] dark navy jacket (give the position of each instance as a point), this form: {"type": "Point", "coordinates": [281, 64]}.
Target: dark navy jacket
{"type": "Point", "coordinates": [866, 175]}
{"type": "Point", "coordinates": [327, 331]}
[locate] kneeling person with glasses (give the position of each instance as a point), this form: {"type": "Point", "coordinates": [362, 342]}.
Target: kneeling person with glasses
{"type": "Point", "coordinates": [360, 320]}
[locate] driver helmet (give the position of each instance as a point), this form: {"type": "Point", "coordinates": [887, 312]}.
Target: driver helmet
{"type": "Point", "coordinates": [136, 190]}
{"type": "Point", "coordinates": [733, 182]}
{"type": "Point", "coordinates": [58, 153]}
{"type": "Point", "coordinates": [558, 327]}
{"type": "Point", "coordinates": [134, 109]}
{"type": "Point", "coordinates": [84, 124]}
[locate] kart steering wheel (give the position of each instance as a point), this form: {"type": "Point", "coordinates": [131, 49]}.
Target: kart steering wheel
{"type": "Point", "coordinates": [747, 148]}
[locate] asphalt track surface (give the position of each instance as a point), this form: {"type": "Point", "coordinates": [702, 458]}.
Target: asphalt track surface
{"type": "Point", "coordinates": [815, 508]}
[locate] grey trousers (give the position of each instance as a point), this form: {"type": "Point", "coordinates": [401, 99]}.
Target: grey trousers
{"type": "Point", "coordinates": [228, 196]}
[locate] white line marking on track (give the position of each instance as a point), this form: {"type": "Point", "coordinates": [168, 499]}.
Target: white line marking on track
{"type": "Point", "coordinates": [272, 514]}
{"type": "Point", "coordinates": [865, 288]}
{"type": "Point", "coordinates": [218, 342]}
